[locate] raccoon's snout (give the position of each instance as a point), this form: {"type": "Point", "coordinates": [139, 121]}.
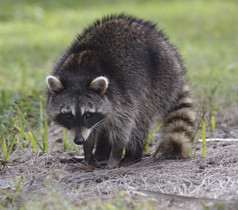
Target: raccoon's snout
{"type": "Point", "coordinates": [79, 140]}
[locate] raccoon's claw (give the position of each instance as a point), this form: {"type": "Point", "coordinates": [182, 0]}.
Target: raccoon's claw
{"type": "Point", "coordinates": [103, 163]}
{"type": "Point", "coordinates": [99, 164]}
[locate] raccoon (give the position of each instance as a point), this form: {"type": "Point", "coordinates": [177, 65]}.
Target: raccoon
{"type": "Point", "coordinates": [112, 83]}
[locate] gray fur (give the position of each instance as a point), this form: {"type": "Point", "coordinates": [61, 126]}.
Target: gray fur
{"type": "Point", "coordinates": [146, 82]}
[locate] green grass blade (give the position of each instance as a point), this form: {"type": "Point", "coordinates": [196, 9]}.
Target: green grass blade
{"type": "Point", "coordinates": [70, 143]}
{"type": "Point", "coordinates": [199, 124]}
{"type": "Point", "coordinates": [33, 142]}
{"type": "Point", "coordinates": [21, 129]}
{"type": "Point", "coordinates": [11, 145]}
{"type": "Point", "coordinates": [147, 148]}
{"type": "Point", "coordinates": [28, 126]}
{"type": "Point", "coordinates": [213, 123]}
{"type": "Point", "coordinates": [199, 135]}
{"type": "Point", "coordinates": [19, 147]}
{"type": "Point", "coordinates": [65, 139]}
{"type": "Point", "coordinates": [9, 151]}
{"type": "Point", "coordinates": [204, 146]}
{"type": "Point", "coordinates": [40, 121]}
{"type": "Point", "coordinates": [45, 136]}
{"type": "Point", "coordinates": [208, 128]}
{"type": "Point", "coordinates": [4, 148]}
{"type": "Point", "coordinates": [24, 144]}
{"type": "Point", "coordinates": [22, 132]}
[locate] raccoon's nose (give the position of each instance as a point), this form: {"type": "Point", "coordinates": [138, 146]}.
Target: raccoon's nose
{"type": "Point", "coordinates": [78, 140]}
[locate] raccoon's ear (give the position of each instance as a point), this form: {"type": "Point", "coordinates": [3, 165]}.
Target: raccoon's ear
{"type": "Point", "coordinates": [99, 85]}
{"type": "Point", "coordinates": [54, 84]}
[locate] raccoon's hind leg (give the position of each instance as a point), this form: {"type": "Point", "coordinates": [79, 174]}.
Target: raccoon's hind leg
{"type": "Point", "coordinates": [134, 151]}
{"type": "Point", "coordinates": [179, 128]}
{"type": "Point", "coordinates": [135, 146]}
{"type": "Point", "coordinates": [119, 134]}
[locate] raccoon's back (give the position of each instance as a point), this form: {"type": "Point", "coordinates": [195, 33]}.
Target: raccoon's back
{"type": "Point", "coordinates": [132, 52]}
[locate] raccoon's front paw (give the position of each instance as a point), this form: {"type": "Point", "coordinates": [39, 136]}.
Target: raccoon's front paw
{"type": "Point", "coordinates": [93, 162]}
{"type": "Point", "coordinates": [112, 164]}
{"type": "Point", "coordinates": [90, 160]}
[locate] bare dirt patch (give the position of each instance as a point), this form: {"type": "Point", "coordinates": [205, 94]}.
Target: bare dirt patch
{"type": "Point", "coordinates": [212, 179]}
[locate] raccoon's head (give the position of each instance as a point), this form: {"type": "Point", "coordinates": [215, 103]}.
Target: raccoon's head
{"type": "Point", "coordinates": [78, 108]}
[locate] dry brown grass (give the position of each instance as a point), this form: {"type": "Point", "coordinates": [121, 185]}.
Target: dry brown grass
{"type": "Point", "coordinates": [213, 177]}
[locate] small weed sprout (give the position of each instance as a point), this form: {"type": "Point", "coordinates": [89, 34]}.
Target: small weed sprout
{"type": "Point", "coordinates": [67, 141]}
{"type": "Point", "coordinates": [202, 132]}
{"type": "Point", "coordinates": [6, 152]}
{"type": "Point", "coordinates": [31, 135]}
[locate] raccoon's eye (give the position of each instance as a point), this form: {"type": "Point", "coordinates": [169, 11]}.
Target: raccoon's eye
{"type": "Point", "coordinates": [68, 116]}
{"type": "Point", "coordinates": [65, 119]}
{"type": "Point", "coordinates": [88, 115]}
{"type": "Point", "coordinates": [92, 118]}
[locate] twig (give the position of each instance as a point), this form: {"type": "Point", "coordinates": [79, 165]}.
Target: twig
{"type": "Point", "coordinates": [181, 197]}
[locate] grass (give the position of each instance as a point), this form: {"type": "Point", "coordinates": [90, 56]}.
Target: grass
{"type": "Point", "coordinates": [201, 30]}
{"type": "Point", "coordinates": [33, 34]}
{"type": "Point", "coordinates": [52, 197]}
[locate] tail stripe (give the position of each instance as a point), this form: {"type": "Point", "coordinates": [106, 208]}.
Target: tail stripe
{"type": "Point", "coordinates": [183, 105]}
{"type": "Point", "coordinates": [185, 119]}
{"type": "Point", "coordinates": [181, 129]}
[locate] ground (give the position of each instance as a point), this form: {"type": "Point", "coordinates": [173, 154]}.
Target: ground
{"type": "Point", "coordinates": [194, 183]}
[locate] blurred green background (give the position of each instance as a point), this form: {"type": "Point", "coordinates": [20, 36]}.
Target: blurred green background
{"type": "Point", "coordinates": [33, 34]}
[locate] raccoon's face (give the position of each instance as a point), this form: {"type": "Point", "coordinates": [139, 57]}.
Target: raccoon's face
{"type": "Point", "coordinates": [78, 111]}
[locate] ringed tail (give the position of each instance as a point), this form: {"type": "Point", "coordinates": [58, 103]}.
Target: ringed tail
{"type": "Point", "coordinates": [179, 127]}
